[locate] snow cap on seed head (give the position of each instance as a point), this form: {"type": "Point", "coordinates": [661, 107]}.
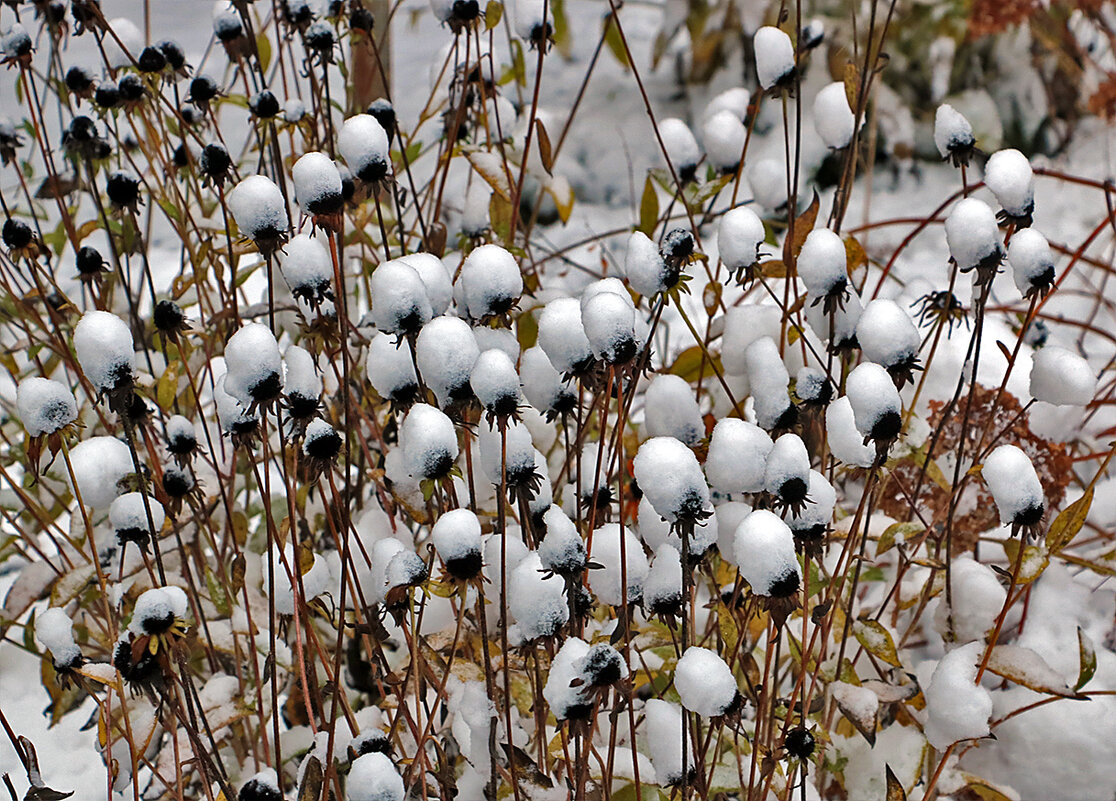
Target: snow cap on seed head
{"type": "Point", "coordinates": [787, 473]}
{"type": "Point", "coordinates": [446, 350]}
{"type": "Point", "coordinates": [538, 604]}
{"type": "Point", "coordinates": [317, 184]}
{"type": "Point", "coordinates": [363, 143]}
{"type": "Point", "coordinates": [513, 458]}
{"type": "Point", "coordinates": [429, 442]}
{"type": "Point", "coordinates": [724, 135]}
{"type": "Point", "coordinates": [973, 235]}
{"type": "Point", "coordinates": [260, 212]}
{"type": "Point", "coordinates": [44, 405]}
{"type": "Point", "coordinates": [491, 281]}
{"type": "Point", "coordinates": [607, 582]}
{"type": "Point", "coordinates": [1032, 263]}
{"type": "Point", "coordinates": [670, 410]}
{"type": "Point", "coordinates": [609, 320]}
{"type": "Point", "coordinates": [737, 458]}
{"type": "Point", "coordinates": [1061, 377]}
{"type": "Point", "coordinates": [768, 379]}
{"type": "Point", "coordinates": [255, 368]}
{"type": "Point", "coordinates": [561, 550]}
{"type": "Point", "coordinates": [373, 777]}
{"type": "Point", "coordinates": [1015, 487]}
{"type": "Point", "coordinates": [774, 57]}
{"type": "Point", "coordinates": [562, 337]}
{"type": "Point", "coordinates": [846, 442]}
{"type": "Point", "coordinates": [665, 742]}
{"type": "Point", "coordinates": [739, 235]}
{"type": "Point", "coordinates": [301, 383]}
{"type": "Point", "coordinates": [833, 119]}
{"type": "Point", "coordinates": [953, 135]}
{"type": "Point", "coordinates": [662, 589]}
{"type": "Point", "coordinates": [887, 334]}
{"type": "Point", "coordinates": [765, 554]}
{"type": "Point", "coordinates": [543, 385]}
{"type": "Point", "coordinates": [435, 277]}
{"type": "Point", "coordinates": [671, 479]}
{"type": "Point", "coordinates": [98, 465]}
{"type": "Point", "coordinates": [768, 180]}
{"type": "Point", "coordinates": [1009, 175]}
{"type": "Point", "coordinates": [823, 263]}
{"type": "Point", "coordinates": [646, 270]}
{"type": "Point", "coordinates": [399, 301]}
{"type": "Point", "coordinates": [681, 147]}
{"type": "Point", "coordinates": [705, 683]}
{"type": "Point", "coordinates": [496, 383]}
{"type": "Point", "coordinates": [306, 267]}
{"type": "Point", "coordinates": [390, 369]}
{"type": "Point", "coordinates": [55, 630]}
{"type": "Point", "coordinates": [104, 348]}
{"type": "Point", "coordinates": [457, 539]}
{"type": "Point", "coordinates": [877, 409]}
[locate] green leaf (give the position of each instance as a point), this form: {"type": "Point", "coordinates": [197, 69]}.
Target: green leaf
{"type": "Point", "coordinates": [876, 641]}
{"type": "Point", "coordinates": [649, 207]}
{"type": "Point", "coordinates": [1068, 522]}
{"type": "Point", "coordinates": [1088, 659]}
{"type": "Point", "coordinates": [615, 41]}
{"type": "Point", "coordinates": [492, 14]}
{"type": "Point", "coordinates": [263, 47]}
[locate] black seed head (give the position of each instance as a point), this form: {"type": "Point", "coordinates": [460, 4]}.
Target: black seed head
{"type": "Point", "coordinates": [215, 161]}
{"type": "Point", "coordinates": [266, 389]}
{"type": "Point", "coordinates": [181, 156]}
{"type": "Point", "coordinates": [602, 666]}
{"type": "Point", "coordinates": [465, 10]}
{"type": "Point", "coordinates": [793, 491]}
{"type": "Point", "coordinates": [177, 482]}
{"type": "Point", "coordinates": [297, 13]}
{"type": "Point", "coordinates": [373, 171]}
{"type": "Point", "coordinates": [78, 80]}
{"type": "Point", "coordinates": [190, 114]}
{"type": "Point", "coordinates": [264, 105]}
{"type": "Point", "coordinates": [17, 234]}
{"type": "Point", "coordinates": [131, 88]}
{"type": "Point", "coordinates": [107, 95]}
{"type": "Point", "coordinates": [151, 59]}
{"type": "Point", "coordinates": [182, 443]}
{"type": "Point", "coordinates": [785, 586]}
{"type": "Point", "coordinates": [319, 37]}
{"type": "Point", "coordinates": [1031, 515]}
{"type": "Point", "coordinates": [172, 52]}
{"type": "Point", "coordinates": [799, 743]}
{"type": "Point", "coordinates": [361, 19]}
{"type": "Point", "coordinates": [228, 28]}
{"type": "Point", "coordinates": [255, 790]}
{"type": "Point", "coordinates": [90, 261]}
{"type": "Point", "coordinates": [384, 113]}
{"type": "Point", "coordinates": [202, 90]}
{"type": "Point", "coordinates": [123, 189]}
{"type": "Point", "coordinates": [887, 427]}
{"type": "Point", "coordinates": [168, 316]}
{"type": "Point", "coordinates": [82, 129]}
{"type": "Point", "coordinates": [324, 446]}
{"type": "Point", "coordinates": [138, 536]}
{"type": "Point", "coordinates": [158, 624]}
{"type": "Point", "coordinates": [465, 567]}
{"type": "Point", "coordinates": [677, 245]}
{"type": "Point", "coordinates": [373, 742]}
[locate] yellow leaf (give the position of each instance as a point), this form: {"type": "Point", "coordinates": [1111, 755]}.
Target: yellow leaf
{"type": "Point", "coordinates": [876, 641]}
{"type": "Point", "coordinates": [1068, 522]}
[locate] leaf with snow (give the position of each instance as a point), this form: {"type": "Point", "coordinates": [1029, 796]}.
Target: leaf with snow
{"type": "Point", "coordinates": [876, 641]}
{"type": "Point", "coordinates": [1028, 669]}
{"type": "Point", "coordinates": [859, 705]}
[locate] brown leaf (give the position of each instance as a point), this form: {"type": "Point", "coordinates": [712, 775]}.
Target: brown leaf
{"type": "Point", "coordinates": [895, 791]}
{"type": "Point", "coordinates": [804, 224]}
{"type": "Point", "coordinates": [312, 776]}
{"type": "Point", "coordinates": [1028, 669]}
{"type": "Point", "coordinates": [859, 705]}
{"type": "Point", "coordinates": [546, 152]}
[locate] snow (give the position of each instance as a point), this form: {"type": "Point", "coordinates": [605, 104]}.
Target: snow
{"type": "Point", "coordinates": [887, 334]}
{"type": "Point", "coordinates": [128, 516]}
{"type": "Point", "coordinates": [857, 703]}
{"type": "Point", "coordinates": [952, 132]}
{"type": "Point", "coordinates": [566, 700]}
{"type": "Point", "coordinates": [543, 385]}
{"type": "Point", "coordinates": [156, 609]}
{"type": "Point", "coordinates": [363, 144]}
{"type": "Point", "coordinates": [681, 146]}
{"type": "Point", "coordinates": [373, 777]}
{"type": "Point", "coordinates": [662, 589]}
{"type": "Point", "coordinates": [315, 581]}
{"type": "Point", "coordinates": [457, 536]}
{"type": "Point", "coordinates": [670, 410]}
{"type": "Point", "coordinates": [1061, 377]}
{"type": "Point", "coordinates": [972, 233]}
{"type": "Point", "coordinates": [446, 350]}
{"type": "Point", "coordinates": [605, 550]}
{"type": "Point", "coordinates": [513, 458]}
{"type": "Point", "coordinates": [55, 631]}
{"type": "Point", "coordinates": [768, 180]}
{"type": "Point", "coordinates": [428, 441]}
{"type": "Point", "coordinates": [103, 344]}
{"type": "Point", "coordinates": [317, 184]}
{"type": "Point", "coordinates": [491, 281]}
{"type": "Point", "coordinates": [531, 18]}
{"type": "Point", "coordinates": [764, 550]}
{"type": "Point", "coordinates": [561, 549]}
{"type": "Point", "coordinates": [1009, 175]}
{"type": "Point", "coordinates": [306, 267]}
{"type": "Point", "coordinates": [822, 263]}
{"type": "Point", "coordinates": [262, 786]}
{"type": "Point", "coordinates": [1032, 263]}
{"type": "Point", "coordinates": [769, 379]}
{"type": "Point", "coordinates": [562, 337]}
{"type": "Point", "coordinates": [99, 463]}
{"type": "Point", "coordinates": [671, 479]}
{"type": "Point", "coordinates": [788, 466]}
{"type": "Point", "coordinates": [743, 326]}
{"type": "Point", "coordinates": [609, 322]}
{"type": "Point", "coordinates": [724, 135]}
{"type": "Point", "coordinates": [818, 513]}
{"type": "Point", "coordinates": [875, 401]}
{"type": "Point", "coordinates": [44, 406]}
{"type": "Point", "coordinates": [234, 417]}
{"type": "Point", "coordinates": [664, 741]}
{"type": "Point", "coordinates": [833, 119]}
{"type": "Point", "coordinates": [390, 369]}
{"type": "Point", "coordinates": [399, 300]}
{"type": "Point", "coordinates": [432, 271]}
{"type": "Point", "coordinates": [956, 708]}
{"type": "Point", "coordinates": [538, 604]}
{"type": "Point", "coordinates": [645, 269]}
{"type": "Point", "coordinates": [977, 597]}
{"type": "Point", "coordinates": [15, 41]}
{"type": "Point", "coordinates": [735, 100]}
{"type": "Point", "coordinates": [739, 235]}
{"type": "Point", "coordinates": [737, 459]}
{"type": "Point", "coordinates": [321, 440]}
{"type": "Point", "coordinates": [255, 368]}
{"type": "Point", "coordinates": [774, 56]}
{"type": "Point", "coordinates": [729, 517]}
{"type": "Point", "coordinates": [845, 440]}
{"type": "Point", "coordinates": [1014, 485]}
{"type": "Point", "coordinates": [495, 382]}
{"type": "Point", "coordinates": [705, 683]}
{"type": "Point", "coordinates": [258, 208]}
{"type": "Point", "coordinates": [474, 212]}
{"type": "Point", "coordinates": [301, 382]}
{"type": "Point", "coordinates": [655, 531]}
{"type": "Point", "coordinates": [843, 322]}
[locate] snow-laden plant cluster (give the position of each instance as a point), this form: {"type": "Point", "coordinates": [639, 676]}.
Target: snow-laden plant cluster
{"type": "Point", "coordinates": [349, 452]}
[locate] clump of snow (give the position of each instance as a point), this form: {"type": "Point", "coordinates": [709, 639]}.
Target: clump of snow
{"type": "Point", "coordinates": [495, 382]}
{"type": "Point", "coordinates": [972, 234]}
{"type": "Point", "coordinates": [263, 786]}
{"type": "Point", "coordinates": [822, 262]}
{"type": "Point", "coordinates": [182, 439]}
{"type": "Point", "coordinates": [787, 473]}
{"type": "Point", "coordinates": [877, 409]}
{"type": "Point", "coordinates": [457, 539]}
{"type": "Point", "coordinates": [1032, 263]}
{"type": "Point", "coordinates": [1009, 175]}
{"type": "Point", "coordinates": [977, 597]}
{"type": "Point", "coordinates": [957, 709]}
{"type": "Point", "coordinates": [538, 604]}
{"type": "Point", "coordinates": [55, 631]}
{"type": "Point", "coordinates": [737, 459]}
{"type": "Point", "coordinates": [514, 458]}
{"type": "Point", "coordinates": [681, 146]}
{"type": "Point", "coordinates": [768, 180]}
{"type": "Point", "coordinates": [769, 380]}
{"type": "Point", "coordinates": [670, 410]}
{"type": "Point", "coordinates": [435, 277]}
{"type": "Point", "coordinates": [645, 268]}
{"type": "Point", "coordinates": [317, 184]}
{"type": "Point", "coordinates": [887, 334]}
{"type": "Point", "coordinates": [744, 325]}
{"type": "Point", "coordinates": [306, 267]}
{"type": "Point", "coordinates": [44, 406]}
{"type": "Point", "coordinates": [156, 609]}
{"type": "Point", "coordinates": [833, 119]}
{"type": "Point", "coordinates": [399, 300]}
{"type": "Point", "coordinates": [255, 368]}
{"type": "Point", "coordinates": [543, 385]}
{"type": "Point", "coordinates": [765, 553]}
{"type": "Point", "coordinates": [428, 441]}
{"type": "Point", "coordinates": [561, 550]}
{"type": "Point", "coordinates": [1061, 377]}
{"type": "Point", "coordinates": [774, 56]}
{"type": "Point", "coordinates": [103, 344]}
{"type": "Point", "coordinates": [315, 581]}
{"type": "Point", "coordinates": [952, 132]}
{"type": "Point", "coordinates": [1015, 486]}
{"type": "Point", "coordinates": [259, 210]}
{"type": "Point", "coordinates": [664, 741]}
{"type": "Point", "coordinates": [609, 322]}
{"type": "Point", "coordinates": [363, 143]}
{"type": "Point", "coordinates": [490, 281]}
{"type": "Point", "coordinates": [739, 235]}
{"type": "Point", "coordinates": [662, 589]}
{"type": "Point", "coordinates": [446, 350]}
{"type": "Point", "coordinates": [705, 683]}
{"type": "Point", "coordinates": [655, 531]}
{"type": "Point", "coordinates": [814, 518]}
{"type": "Point", "coordinates": [99, 463]}
{"type": "Point", "coordinates": [474, 211]}
{"type": "Point", "coordinates": [671, 479]}
{"type": "Point", "coordinates": [562, 691]}
{"type": "Point", "coordinates": [128, 517]}
{"type": "Point", "coordinates": [724, 135]}
{"type": "Point", "coordinates": [373, 777]}
{"type": "Point", "coordinates": [735, 100]}
{"type": "Point", "coordinates": [301, 382]}
{"type": "Point", "coordinates": [390, 369]}
{"type": "Point", "coordinates": [845, 440]}
{"type": "Point", "coordinates": [234, 417]}
{"type": "Point", "coordinates": [607, 582]}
